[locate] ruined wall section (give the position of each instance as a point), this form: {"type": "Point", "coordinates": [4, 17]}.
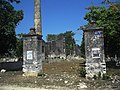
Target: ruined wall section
{"type": "Point", "coordinates": [56, 48]}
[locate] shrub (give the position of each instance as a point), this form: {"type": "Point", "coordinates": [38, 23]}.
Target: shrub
{"type": "Point", "coordinates": [41, 74]}
{"type": "Point", "coordinates": [105, 77]}
{"type": "Point", "coordinates": [82, 72]}
{"type": "Point", "coordinates": [99, 75]}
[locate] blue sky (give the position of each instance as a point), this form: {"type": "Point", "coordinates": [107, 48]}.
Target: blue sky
{"type": "Point", "coordinates": [58, 16]}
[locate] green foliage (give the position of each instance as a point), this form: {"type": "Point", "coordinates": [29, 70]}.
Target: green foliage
{"type": "Point", "coordinates": [69, 42]}
{"type": "Point", "coordinates": [61, 35]}
{"type": "Point", "coordinates": [9, 18]}
{"type": "Point", "coordinates": [41, 74]}
{"type": "Point", "coordinates": [109, 18]}
{"type": "Point", "coordinates": [51, 37]}
{"type": "Point", "coordinates": [19, 45]}
{"type": "Point", "coordinates": [82, 72]}
{"type": "Point", "coordinates": [82, 47]}
{"type": "Point", "coordinates": [99, 76]}
{"type": "Point", "coordinates": [105, 77]}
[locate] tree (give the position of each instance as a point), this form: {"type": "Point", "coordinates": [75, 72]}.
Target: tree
{"type": "Point", "coordinates": [19, 45]}
{"type": "Point", "coordinates": [69, 42]}
{"type": "Point", "coordinates": [82, 47]}
{"type": "Point", "coordinates": [109, 18]}
{"type": "Point", "coordinates": [9, 19]}
{"type": "Point", "coordinates": [51, 37]}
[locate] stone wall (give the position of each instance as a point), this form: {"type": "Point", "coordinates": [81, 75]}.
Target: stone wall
{"type": "Point", "coordinates": [55, 48]}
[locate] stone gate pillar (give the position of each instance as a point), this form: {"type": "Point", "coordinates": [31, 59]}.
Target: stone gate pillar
{"type": "Point", "coordinates": [94, 50]}
{"type": "Point", "coordinates": [32, 53]}
{"type": "Point", "coordinates": [32, 45]}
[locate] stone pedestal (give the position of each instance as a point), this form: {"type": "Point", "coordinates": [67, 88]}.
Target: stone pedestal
{"type": "Point", "coordinates": [32, 53]}
{"type": "Point", "coordinates": [94, 51]}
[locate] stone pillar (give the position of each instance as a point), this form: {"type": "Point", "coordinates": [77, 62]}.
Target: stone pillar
{"type": "Point", "coordinates": [37, 17]}
{"type": "Point", "coordinates": [32, 53]}
{"type": "Point", "coordinates": [32, 45]}
{"type": "Point", "coordinates": [94, 50]}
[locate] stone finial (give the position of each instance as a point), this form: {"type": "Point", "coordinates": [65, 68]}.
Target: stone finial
{"type": "Point", "coordinates": [32, 31]}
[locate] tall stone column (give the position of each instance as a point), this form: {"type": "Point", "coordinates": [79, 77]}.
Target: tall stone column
{"type": "Point", "coordinates": [32, 45]}
{"type": "Point", "coordinates": [37, 17]}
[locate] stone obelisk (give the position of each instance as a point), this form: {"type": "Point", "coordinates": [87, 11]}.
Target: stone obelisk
{"type": "Point", "coordinates": [37, 17]}
{"type": "Point", "coordinates": [32, 45]}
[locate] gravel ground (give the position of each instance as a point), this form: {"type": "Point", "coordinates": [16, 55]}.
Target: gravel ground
{"type": "Point", "coordinates": [28, 88]}
{"type": "Point", "coordinates": [59, 76]}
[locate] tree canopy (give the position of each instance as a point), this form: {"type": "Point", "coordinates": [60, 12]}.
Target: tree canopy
{"type": "Point", "coordinates": [109, 18]}
{"type": "Point", "coordinates": [69, 42]}
{"type": "Point", "coordinates": [9, 19]}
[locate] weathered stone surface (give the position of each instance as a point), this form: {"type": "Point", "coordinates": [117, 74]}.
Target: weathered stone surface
{"type": "Point", "coordinates": [32, 53]}
{"type": "Point", "coordinates": [32, 45]}
{"type": "Point", "coordinates": [94, 51]}
{"type": "Point", "coordinates": [37, 17]}
{"type": "Point", "coordinates": [56, 48]}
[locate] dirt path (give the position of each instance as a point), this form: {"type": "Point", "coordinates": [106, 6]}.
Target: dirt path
{"type": "Point", "coordinates": [28, 88]}
{"type": "Point", "coordinates": [19, 88]}
{"type": "Point", "coordinates": [59, 76]}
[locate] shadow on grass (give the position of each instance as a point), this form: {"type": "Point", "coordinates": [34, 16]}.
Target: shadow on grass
{"type": "Point", "coordinates": [112, 65]}
{"type": "Point", "coordinates": [11, 66]}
